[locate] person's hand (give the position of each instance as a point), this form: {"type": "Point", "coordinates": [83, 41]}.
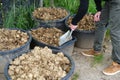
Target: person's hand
{"type": "Point", "coordinates": [97, 16]}
{"type": "Point", "coordinates": [73, 27]}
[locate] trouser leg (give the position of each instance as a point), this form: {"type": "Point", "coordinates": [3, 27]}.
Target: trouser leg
{"type": "Point", "coordinates": [115, 29]}
{"type": "Point", "coordinates": [101, 27]}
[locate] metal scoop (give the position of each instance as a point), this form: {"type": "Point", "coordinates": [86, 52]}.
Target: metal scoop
{"type": "Point", "coordinates": [65, 37]}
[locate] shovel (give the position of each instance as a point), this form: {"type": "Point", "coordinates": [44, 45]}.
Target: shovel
{"type": "Point", "coordinates": [65, 37]}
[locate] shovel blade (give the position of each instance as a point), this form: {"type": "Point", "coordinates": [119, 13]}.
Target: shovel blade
{"type": "Point", "coordinates": [65, 37]}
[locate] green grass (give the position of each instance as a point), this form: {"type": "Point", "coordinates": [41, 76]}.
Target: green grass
{"type": "Point", "coordinates": [92, 7]}
{"type": "Point", "coordinates": [71, 5]}
{"type": "Point", "coordinates": [9, 19]}
{"type": "Point", "coordinates": [97, 59]}
{"type": "Point", "coordinates": [19, 17]}
{"type": "Point", "coordinates": [75, 76]}
{"type": "Point", "coordinates": [107, 36]}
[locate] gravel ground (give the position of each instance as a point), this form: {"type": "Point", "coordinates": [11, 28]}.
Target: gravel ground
{"type": "Point", "coordinates": [85, 69]}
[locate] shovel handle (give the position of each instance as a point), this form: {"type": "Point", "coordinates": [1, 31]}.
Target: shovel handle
{"type": "Point", "coordinates": [71, 32]}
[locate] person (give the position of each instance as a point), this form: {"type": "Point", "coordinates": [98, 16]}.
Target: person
{"type": "Point", "coordinates": [108, 17]}
{"type": "Point", "coordinates": [82, 10]}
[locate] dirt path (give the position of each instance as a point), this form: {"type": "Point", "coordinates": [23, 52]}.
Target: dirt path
{"type": "Point", "coordinates": [86, 69]}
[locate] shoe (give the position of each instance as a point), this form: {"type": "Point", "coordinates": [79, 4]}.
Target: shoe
{"type": "Point", "coordinates": [90, 53]}
{"type": "Point", "coordinates": [113, 69]}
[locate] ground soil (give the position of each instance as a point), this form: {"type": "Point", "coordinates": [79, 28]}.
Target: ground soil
{"type": "Point", "coordinates": [85, 68]}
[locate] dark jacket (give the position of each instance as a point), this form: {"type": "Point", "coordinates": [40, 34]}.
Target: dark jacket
{"type": "Point", "coordinates": [83, 8]}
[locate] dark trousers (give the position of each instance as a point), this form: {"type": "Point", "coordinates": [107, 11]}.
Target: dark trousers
{"type": "Point", "coordinates": [110, 18]}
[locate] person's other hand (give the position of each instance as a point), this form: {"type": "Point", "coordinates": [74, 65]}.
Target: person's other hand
{"type": "Point", "coordinates": [97, 16]}
{"type": "Point", "coordinates": [73, 27]}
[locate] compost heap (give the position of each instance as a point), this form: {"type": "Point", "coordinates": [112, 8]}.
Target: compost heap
{"type": "Point", "coordinates": [48, 36]}
{"type": "Point", "coordinates": [48, 13]}
{"type": "Point", "coordinates": [39, 64]}
{"type": "Point", "coordinates": [11, 39]}
{"type": "Point", "coordinates": [87, 23]}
